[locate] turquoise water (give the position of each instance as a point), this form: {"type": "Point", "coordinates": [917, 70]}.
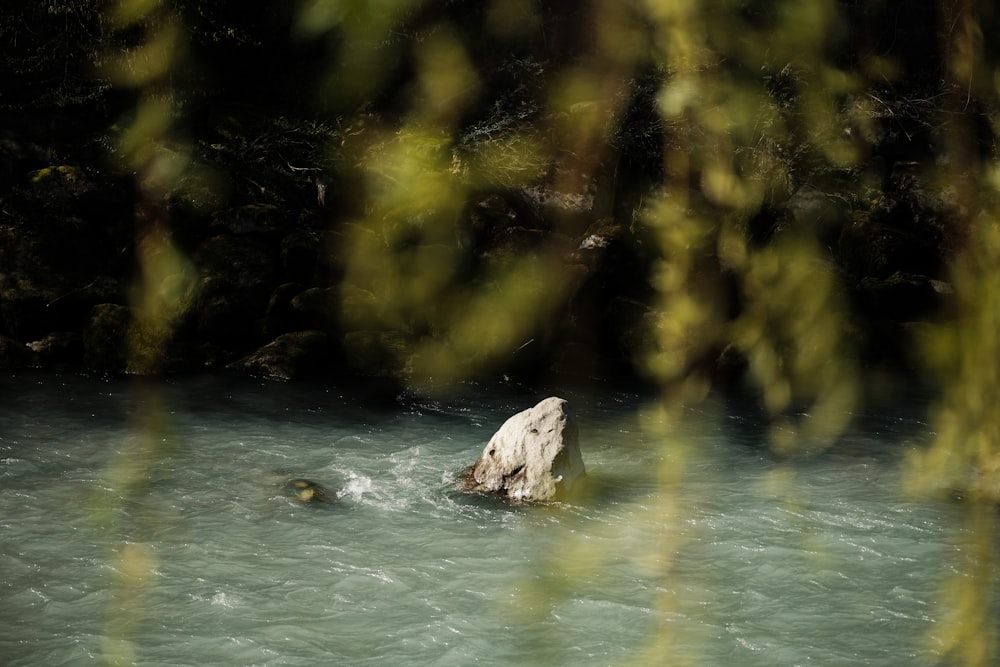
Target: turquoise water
{"type": "Point", "coordinates": [148, 523]}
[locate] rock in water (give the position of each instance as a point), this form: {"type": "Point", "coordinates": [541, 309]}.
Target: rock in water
{"type": "Point", "coordinates": [310, 492]}
{"type": "Point", "coordinates": [535, 456]}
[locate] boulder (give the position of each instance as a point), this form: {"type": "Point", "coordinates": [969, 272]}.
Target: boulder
{"type": "Point", "coordinates": [60, 347]}
{"type": "Point", "coordinates": [535, 456]}
{"type": "Point", "coordinates": [279, 317]}
{"type": "Point", "coordinates": [290, 356]}
{"type": "Point", "coordinates": [308, 491]}
{"type": "Point", "coordinates": [105, 340]}
{"type": "Point", "coordinates": [316, 308]}
{"type": "Point", "coordinates": [237, 278]}
{"type": "Point", "coordinates": [300, 255]}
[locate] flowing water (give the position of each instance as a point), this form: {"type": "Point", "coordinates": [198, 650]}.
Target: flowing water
{"type": "Point", "coordinates": [148, 524]}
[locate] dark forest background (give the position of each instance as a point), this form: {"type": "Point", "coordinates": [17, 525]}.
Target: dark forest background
{"type": "Point", "coordinates": [668, 195]}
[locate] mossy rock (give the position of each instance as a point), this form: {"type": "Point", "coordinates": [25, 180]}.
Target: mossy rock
{"type": "Point", "coordinates": [310, 492]}
{"type": "Point", "coordinates": [317, 308]}
{"type": "Point", "coordinates": [377, 353]}
{"type": "Point", "coordinates": [58, 348]}
{"type": "Point", "coordinates": [57, 176]}
{"type": "Point", "coordinates": [105, 340]}
{"type": "Point", "coordinates": [237, 279]}
{"type": "Point", "coordinates": [280, 317]}
{"type": "Point", "coordinates": [291, 356]}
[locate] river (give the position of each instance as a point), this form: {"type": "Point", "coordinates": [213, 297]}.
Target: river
{"type": "Point", "coordinates": [148, 523]}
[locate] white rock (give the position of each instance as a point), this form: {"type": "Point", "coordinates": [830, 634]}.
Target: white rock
{"type": "Point", "coordinates": [534, 456]}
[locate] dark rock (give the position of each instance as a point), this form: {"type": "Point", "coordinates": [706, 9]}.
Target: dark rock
{"type": "Point", "coordinates": [914, 200]}
{"type": "Point", "coordinates": [58, 348]}
{"type": "Point", "coordinates": [23, 312]}
{"type": "Point", "coordinates": [290, 356]}
{"type": "Point", "coordinates": [562, 205]}
{"type": "Point", "coordinates": [340, 247]}
{"type": "Point", "coordinates": [250, 220]}
{"type": "Point", "coordinates": [15, 354]}
{"type": "Point", "coordinates": [53, 270]}
{"type": "Point", "coordinates": [299, 256]}
{"type": "Point", "coordinates": [890, 311]}
{"type": "Point", "coordinates": [822, 213]}
{"type": "Point", "coordinates": [377, 353]}
{"type": "Point", "coordinates": [503, 226]}
{"type": "Point", "coordinates": [512, 243]}
{"type": "Point", "coordinates": [60, 183]}
{"type": "Point", "coordinates": [497, 212]}
{"type": "Point", "coordinates": [105, 340]}
{"type": "Point", "coordinates": [358, 306]}
{"type": "Point", "coordinates": [599, 236]}
{"type": "Point", "coordinates": [603, 265]}
{"type": "Point", "coordinates": [900, 297]}
{"type": "Point", "coordinates": [636, 323]}
{"type": "Point", "coordinates": [310, 492]}
{"type": "Point", "coordinates": [902, 231]}
{"type": "Point", "coordinates": [237, 279]}
{"type": "Point", "coordinates": [31, 310]}
{"type": "Point", "coordinates": [280, 317]}
{"type": "Point", "coordinates": [316, 308]}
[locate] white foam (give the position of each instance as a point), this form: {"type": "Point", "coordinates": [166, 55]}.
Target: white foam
{"type": "Point", "coordinates": [225, 600]}
{"type": "Point", "coordinates": [356, 486]}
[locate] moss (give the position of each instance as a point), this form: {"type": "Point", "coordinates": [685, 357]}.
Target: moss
{"type": "Point", "coordinates": [62, 173]}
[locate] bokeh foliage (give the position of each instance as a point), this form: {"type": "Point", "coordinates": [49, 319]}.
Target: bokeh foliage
{"type": "Point", "coordinates": [690, 120]}
{"type": "Point", "coordinates": [754, 100]}
{"type": "Point", "coordinates": [748, 101]}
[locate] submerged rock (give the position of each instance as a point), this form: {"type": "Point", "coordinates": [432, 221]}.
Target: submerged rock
{"type": "Point", "coordinates": [310, 492]}
{"type": "Point", "coordinates": [535, 456]}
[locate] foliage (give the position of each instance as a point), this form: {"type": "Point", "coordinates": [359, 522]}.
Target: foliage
{"type": "Point", "coordinates": [691, 126]}
{"type": "Point", "coordinates": [49, 51]}
{"type": "Point", "coordinates": [750, 102]}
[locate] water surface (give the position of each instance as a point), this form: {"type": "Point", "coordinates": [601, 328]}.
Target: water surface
{"type": "Point", "coordinates": [149, 522]}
